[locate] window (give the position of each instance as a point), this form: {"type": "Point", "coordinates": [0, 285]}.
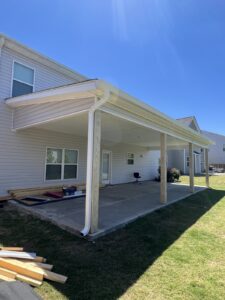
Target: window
{"type": "Point", "coordinates": [223, 147]}
{"type": "Point", "coordinates": [61, 164]}
{"type": "Point", "coordinates": [187, 161]}
{"type": "Point", "coordinates": [23, 80]}
{"type": "Point", "coordinates": [130, 158]}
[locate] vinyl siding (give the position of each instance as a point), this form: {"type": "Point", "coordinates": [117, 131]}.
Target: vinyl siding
{"type": "Point", "coordinates": [216, 153]}
{"type": "Point", "coordinates": [145, 162]}
{"type": "Point", "coordinates": [22, 159]}
{"type": "Point", "coordinates": [34, 114]}
{"type": "Point", "coordinates": [22, 153]}
{"type": "Point", "coordinates": [176, 159]}
{"type": "Point", "coordinates": [44, 77]}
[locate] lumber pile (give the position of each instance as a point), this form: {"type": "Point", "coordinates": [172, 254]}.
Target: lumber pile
{"type": "Point", "coordinates": [15, 264]}
{"type": "Point", "coordinates": [22, 193]}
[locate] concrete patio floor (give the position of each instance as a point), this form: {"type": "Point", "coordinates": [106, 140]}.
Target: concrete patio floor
{"type": "Point", "coordinates": [119, 205]}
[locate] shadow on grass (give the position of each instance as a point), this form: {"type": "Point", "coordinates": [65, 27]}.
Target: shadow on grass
{"type": "Point", "coordinates": [107, 268]}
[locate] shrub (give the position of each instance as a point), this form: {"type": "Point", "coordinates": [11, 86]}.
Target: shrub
{"type": "Point", "coordinates": [172, 175]}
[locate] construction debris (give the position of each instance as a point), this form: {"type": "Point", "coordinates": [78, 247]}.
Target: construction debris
{"type": "Point", "coordinates": [26, 267]}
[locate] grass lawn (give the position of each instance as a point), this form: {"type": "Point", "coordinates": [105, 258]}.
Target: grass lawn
{"type": "Point", "coordinates": [175, 253]}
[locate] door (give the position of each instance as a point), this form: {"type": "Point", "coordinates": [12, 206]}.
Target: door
{"type": "Point", "coordinates": [106, 166]}
{"type": "Point", "coordinates": [197, 163]}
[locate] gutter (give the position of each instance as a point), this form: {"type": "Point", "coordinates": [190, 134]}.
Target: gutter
{"type": "Point", "coordinates": [90, 146]}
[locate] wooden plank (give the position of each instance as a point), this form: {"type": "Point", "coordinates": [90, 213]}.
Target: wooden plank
{"type": "Point", "coordinates": [17, 254]}
{"type": "Point", "coordinates": [21, 268]}
{"type": "Point", "coordinates": [38, 259]}
{"type": "Point", "coordinates": [7, 273]}
{"type": "Point", "coordinates": [5, 198]}
{"type": "Point", "coordinates": [41, 265]}
{"type": "Point", "coordinates": [34, 264]}
{"type": "Point", "coordinates": [12, 248]}
{"type": "Point", "coordinates": [191, 168]}
{"type": "Point", "coordinates": [95, 172]}
{"type": "Point", "coordinates": [163, 168]}
{"type": "Point", "coordinates": [5, 278]}
{"type": "Point", "coordinates": [54, 276]}
{"type": "Point", "coordinates": [29, 280]}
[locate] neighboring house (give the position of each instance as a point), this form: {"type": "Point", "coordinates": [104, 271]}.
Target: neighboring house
{"type": "Point", "coordinates": [217, 151]}
{"type": "Point", "coordinates": [59, 127]}
{"type": "Point", "coordinates": [180, 158]}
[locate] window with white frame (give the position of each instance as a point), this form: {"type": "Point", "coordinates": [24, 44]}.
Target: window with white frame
{"type": "Point", "coordinates": [23, 80]}
{"type": "Point", "coordinates": [130, 158]}
{"type": "Point", "coordinates": [223, 147]}
{"type": "Point", "coordinates": [61, 164]}
{"type": "Point", "coordinates": [187, 161]}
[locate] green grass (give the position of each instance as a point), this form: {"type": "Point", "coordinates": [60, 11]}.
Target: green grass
{"type": "Point", "coordinates": [175, 253]}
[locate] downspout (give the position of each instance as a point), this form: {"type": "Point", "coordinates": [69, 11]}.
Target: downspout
{"type": "Point", "coordinates": [89, 175]}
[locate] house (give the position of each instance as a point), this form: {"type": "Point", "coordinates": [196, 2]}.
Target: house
{"type": "Point", "coordinates": [179, 158]}
{"type": "Point", "coordinates": [59, 127]}
{"type": "Point", "coordinates": [216, 151]}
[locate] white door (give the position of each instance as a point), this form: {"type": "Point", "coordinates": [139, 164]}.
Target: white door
{"type": "Point", "coordinates": [197, 162]}
{"type": "Point", "coordinates": [106, 166]}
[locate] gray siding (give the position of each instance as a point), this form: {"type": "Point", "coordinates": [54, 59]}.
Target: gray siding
{"type": "Point", "coordinates": [176, 159]}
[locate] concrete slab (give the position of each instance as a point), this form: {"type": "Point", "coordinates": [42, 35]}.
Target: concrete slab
{"type": "Point", "coordinates": [119, 205]}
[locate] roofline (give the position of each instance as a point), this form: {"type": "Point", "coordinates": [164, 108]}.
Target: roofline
{"type": "Point", "coordinates": [37, 56]}
{"type": "Point", "coordinates": [146, 106]}
{"type": "Point", "coordinates": [203, 131]}
{"type": "Point", "coordinates": [95, 88]}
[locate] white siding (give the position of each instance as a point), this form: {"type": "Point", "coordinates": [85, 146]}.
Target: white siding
{"type": "Point", "coordinates": [145, 162]}
{"type": "Point", "coordinates": [34, 114]}
{"type": "Point", "coordinates": [22, 158]}
{"type": "Point", "coordinates": [44, 77]}
{"type": "Point", "coordinates": [216, 153]}
{"type": "Point", "coordinates": [22, 153]}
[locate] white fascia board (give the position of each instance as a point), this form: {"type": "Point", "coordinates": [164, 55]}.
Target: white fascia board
{"type": "Point", "coordinates": [73, 91]}
{"type": "Point", "coordinates": [122, 95]}
{"type": "Point", "coordinates": [145, 124]}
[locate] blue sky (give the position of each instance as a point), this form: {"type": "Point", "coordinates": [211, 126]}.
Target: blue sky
{"type": "Point", "coordinates": [168, 53]}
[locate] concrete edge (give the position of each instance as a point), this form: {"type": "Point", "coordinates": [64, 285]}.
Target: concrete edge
{"type": "Point", "coordinates": [100, 233]}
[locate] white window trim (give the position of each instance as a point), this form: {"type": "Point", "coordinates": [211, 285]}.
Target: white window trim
{"type": "Point", "coordinates": [111, 159]}
{"type": "Point", "coordinates": [62, 164]}
{"type": "Point", "coordinates": [131, 158]}
{"type": "Point", "coordinates": [12, 75]}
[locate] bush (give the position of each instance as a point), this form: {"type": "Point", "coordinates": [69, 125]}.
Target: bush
{"type": "Point", "coordinates": [172, 175]}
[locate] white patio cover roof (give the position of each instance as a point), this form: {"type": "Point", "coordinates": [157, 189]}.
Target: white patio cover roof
{"type": "Point", "coordinates": [66, 101]}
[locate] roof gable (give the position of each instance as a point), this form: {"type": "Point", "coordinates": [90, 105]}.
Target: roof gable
{"type": "Point", "coordinates": [190, 122]}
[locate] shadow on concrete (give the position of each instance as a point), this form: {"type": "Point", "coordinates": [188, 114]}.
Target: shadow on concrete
{"type": "Point", "coordinates": [107, 268]}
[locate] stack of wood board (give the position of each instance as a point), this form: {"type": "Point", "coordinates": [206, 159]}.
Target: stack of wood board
{"type": "Point", "coordinates": [22, 193]}
{"type": "Point", "coordinates": [15, 264]}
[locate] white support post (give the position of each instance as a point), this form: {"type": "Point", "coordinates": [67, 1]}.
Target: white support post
{"type": "Point", "coordinates": [163, 168]}
{"type": "Point", "coordinates": [93, 173]}
{"type": "Point", "coordinates": [191, 167]}
{"type": "Point", "coordinates": [207, 167]}
{"type": "Point", "coordinates": [96, 171]}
